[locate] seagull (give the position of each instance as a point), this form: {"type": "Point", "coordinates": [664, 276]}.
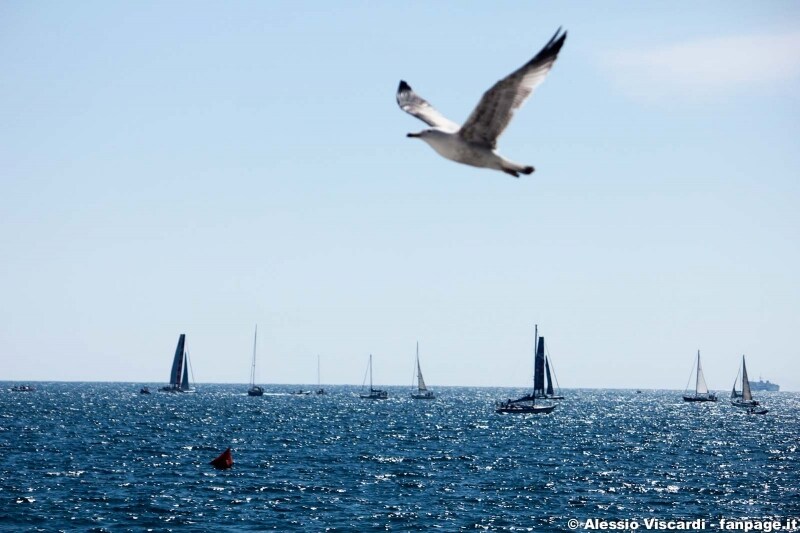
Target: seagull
{"type": "Point", "coordinates": [474, 142]}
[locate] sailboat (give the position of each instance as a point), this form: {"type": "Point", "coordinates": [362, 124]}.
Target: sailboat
{"type": "Point", "coordinates": [422, 391]}
{"type": "Point", "coordinates": [701, 393]}
{"type": "Point", "coordinates": [745, 398]}
{"type": "Point", "coordinates": [320, 390]}
{"type": "Point", "coordinates": [374, 394]}
{"type": "Point", "coordinates": [527, 403]}
{"type": "Point", "coordinates": [254, 389]}
{"type": "Point", "coordinates": [542, 378]}
{"type": "Point", "coordinates": [179, 375]}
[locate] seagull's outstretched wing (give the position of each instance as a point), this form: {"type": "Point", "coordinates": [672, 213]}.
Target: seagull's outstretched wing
{"type": "Point", "coordinates": [415, 105]}
{"type": "Point", "coordinates": [497, 105]}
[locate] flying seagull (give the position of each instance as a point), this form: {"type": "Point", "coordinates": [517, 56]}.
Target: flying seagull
{"type": "Point", "coordinates": [474, 143]}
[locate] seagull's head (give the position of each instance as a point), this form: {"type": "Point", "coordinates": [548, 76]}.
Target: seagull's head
{"type": "Point", "coordinates": [427, 135]}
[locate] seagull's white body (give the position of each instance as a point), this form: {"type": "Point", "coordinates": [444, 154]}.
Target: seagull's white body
{"type": "Point", "coordinates": [451, 146]}
{"type": "Point", "coordinates": [474, 143]}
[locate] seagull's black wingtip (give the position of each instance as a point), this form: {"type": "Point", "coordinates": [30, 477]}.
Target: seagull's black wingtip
{"type": "Point", "coordinates": [558, 37]}
{"type": "Point", "coordinates": [552, 47]}
{"type": "Point", "coordinates": [403, 86]}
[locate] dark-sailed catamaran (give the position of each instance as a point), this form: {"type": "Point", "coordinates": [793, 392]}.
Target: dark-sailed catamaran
{"type": "Point", "coordinates": [527, 403]}
{"type": "Point", "coordinates": [254, 390]}
{"type": "Point", "coordinates": [542, 378]}
{"type": "Point", "coordinates": [701, 393]}
{"type": "Point", "coordinates": [745, 398]}
{"type": "Point", "coordinates": [179, 375]}
{"type": "Point", "coordinates": [422, 391]}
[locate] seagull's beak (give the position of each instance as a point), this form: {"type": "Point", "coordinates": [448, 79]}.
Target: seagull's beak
{"type": "Point", "coordinates": [413, 135]}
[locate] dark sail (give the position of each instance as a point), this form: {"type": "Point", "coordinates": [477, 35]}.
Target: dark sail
{"type": "Point", "coordinates": [549, 379]}
{"type": "Point", "coordinates": [538, 369]}
{"type": "Point", "coordinates": [527, 404]}
{"type": "Point", "coordinates": [178, 364]}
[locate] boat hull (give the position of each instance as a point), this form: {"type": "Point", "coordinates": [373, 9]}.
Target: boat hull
{"type": "Point", "coordinates": [747, 404]}
{"type": "Point", "coordinates": [424, 396]}
{"type": "Point", "coordinates": [175, 390]}
{"type": "Point", "coordinates": [525, 409]}
{"type": "Point", "coordinates": [255, 391]}
{"type": "Point", "coordinates": [375, 395]}
{"type": "Point", "coordinates": [710, 398]}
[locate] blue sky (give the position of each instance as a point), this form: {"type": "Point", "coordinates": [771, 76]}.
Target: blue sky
{"type": "Point", "coordinates": [200, 167]}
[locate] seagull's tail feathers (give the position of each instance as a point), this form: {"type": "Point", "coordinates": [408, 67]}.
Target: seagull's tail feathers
{"type": "Point", "coordinates": [515, 170]}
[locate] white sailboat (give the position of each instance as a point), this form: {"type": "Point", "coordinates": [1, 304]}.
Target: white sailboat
{"type": "Point", "coordinates": [745, 398]}
{"type": "Point", "coordinates": [373, 394]}
{"type": "Point", "coordinates": [701, 393]}
{"type": "Point", "coordinates": [254, 389]}
{"type": "Point", "coordinates": [422, 391]}
{"type": "Point", "coordinates": [320, 390]}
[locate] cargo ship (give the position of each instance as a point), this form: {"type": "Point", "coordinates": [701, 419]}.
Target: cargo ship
{"type": "Point", "coordinates": [762, 385]}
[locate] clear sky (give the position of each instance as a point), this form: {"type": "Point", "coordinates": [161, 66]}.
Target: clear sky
{"type": "Point", "coordinates": [200, 167]}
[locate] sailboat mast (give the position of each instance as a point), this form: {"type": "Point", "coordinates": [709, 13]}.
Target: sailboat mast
{"type": "Point", "coordinates": [697, 377]}
{"type": "Point", "coordinates": [318, 382]}
{"type": "Point", "coordinates": [253, 365]}
{"type": "Point", "coordinates": [417, 365]}
{"type": "Point", "coordinates": [535, 344]}
{"type": "Point", "coordinates": [370, 372]}
{"type": "Point", "coordinates": [747, 395]}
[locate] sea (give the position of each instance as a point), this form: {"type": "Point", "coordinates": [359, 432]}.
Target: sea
{"type": "Point", "coordinates": [102, 457]}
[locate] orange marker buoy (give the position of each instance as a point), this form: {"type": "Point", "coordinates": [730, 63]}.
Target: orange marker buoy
{"type": "Point", "coordinates": [225, 460]}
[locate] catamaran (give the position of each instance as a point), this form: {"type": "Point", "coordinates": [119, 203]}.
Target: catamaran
{"type": "Point", "coordinates": [179, 375]}
{"type": "Point", "coordinates": [745, 398]}
{"type": "Point", "coordinates": [527, 403]}
{"type": "Point", "coordinates": [254, 389]}
{"type": "Point", "coordinates": [374, 394]}
{"type": "Point", "coordinates": [422, 391]}
{"type": "Point", "coordinates": [701, 393]}
{"type": "Point", "coordinates": [542, 378]}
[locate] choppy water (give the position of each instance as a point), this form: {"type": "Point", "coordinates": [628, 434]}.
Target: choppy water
{"type": "Point", "coordinates": [102, 457]}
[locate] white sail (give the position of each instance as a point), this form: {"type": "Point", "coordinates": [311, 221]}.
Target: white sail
{"type": "Point", "coordinates": [701, 387]}
{"type": "Point", "coordinates": [420, 382]}
{"type": "Point", "coordinates": [746, 394]}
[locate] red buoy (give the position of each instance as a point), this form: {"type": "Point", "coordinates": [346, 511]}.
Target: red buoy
{"type": "Point", "coordinates": [225, 460]}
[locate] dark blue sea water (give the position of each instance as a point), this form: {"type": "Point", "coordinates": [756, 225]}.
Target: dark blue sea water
{"type": "Point", "coordinates": [101, 457]}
